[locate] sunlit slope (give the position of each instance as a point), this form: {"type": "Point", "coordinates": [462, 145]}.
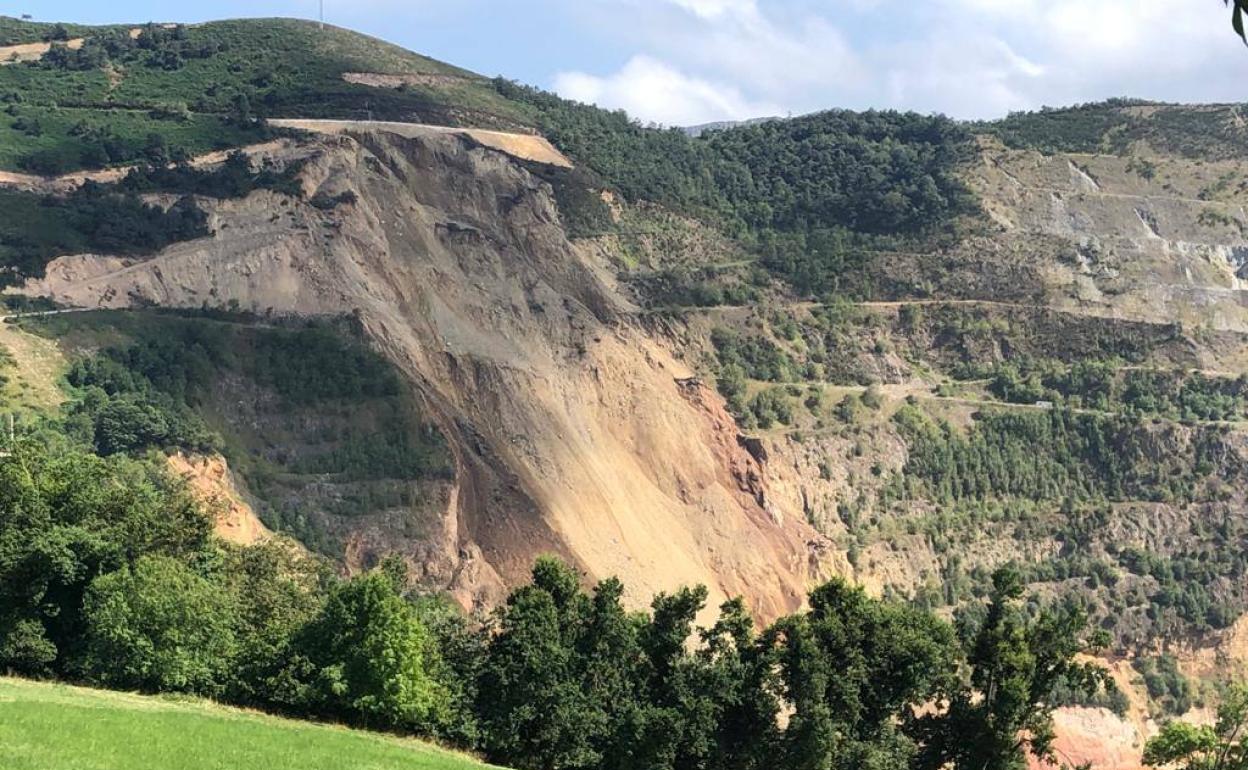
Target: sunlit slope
{"type": "Point", "coordinates": [52, 727]}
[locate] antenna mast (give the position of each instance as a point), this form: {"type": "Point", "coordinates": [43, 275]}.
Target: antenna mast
{"type": "Point", "coordinates": [322, 14]}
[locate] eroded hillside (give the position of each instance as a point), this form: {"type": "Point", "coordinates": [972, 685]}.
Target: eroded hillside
{"type": "Point", "coordinates": [563, 415]}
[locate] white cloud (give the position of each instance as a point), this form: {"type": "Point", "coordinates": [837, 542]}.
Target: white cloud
{"type": "Point", "coordinates": [702, 60]}
{"type": "Point", "coordinates": [714, 9]}
{"type": "Point", "coordinates": [654, 91]}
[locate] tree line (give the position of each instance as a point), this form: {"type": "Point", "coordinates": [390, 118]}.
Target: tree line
{"type": "Point", "coordinates": [110, 574]}
{"type": "Point", "coordinates": [1105, 385]}
{"type": "Point", "coordinates": [809, 194]}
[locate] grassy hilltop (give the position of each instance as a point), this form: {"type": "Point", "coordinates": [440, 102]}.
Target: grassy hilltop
{"type": "Point", "coordinates": [52, 727]}
{"type": "Point", "coordinates": [197, 87]}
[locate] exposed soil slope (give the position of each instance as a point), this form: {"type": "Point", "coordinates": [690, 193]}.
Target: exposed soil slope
{"type": "Point", "coordinates": [565, 418]}
{"type": "Point", "coordinates": [524, 146]}
{"type": "Point", "coordinates": [210, 480]}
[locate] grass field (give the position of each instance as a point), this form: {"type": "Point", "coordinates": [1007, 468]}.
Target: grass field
{"type": "Point", "coordinates": [55, 727]}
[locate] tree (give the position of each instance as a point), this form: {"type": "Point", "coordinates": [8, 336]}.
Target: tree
{"type": "Point", "coordinates": [676, 714]}
{"type": "Point", "coordinates": [66, 517]}
{"type": "Point", "coordinates": [1239, 8]}
{"type": "Point", "coordinates": [280, 590]}
{"type": "Point", "coordinates": [1016, 664]}
{"type": "Point", "coordinates": [367, 658]}
{"type": "Point", "coordinates": [1224, 746]}
{"type": "Point", "coordinates": [158, 626]}
{"type": "Point", "coordinates": [852, 668]}
{"type": "Point", "coordinates": [738, 672]}
{"type": "Point", "coordinates": [461, 642]}
{"type": "Point", "coordinates": [534, 711]}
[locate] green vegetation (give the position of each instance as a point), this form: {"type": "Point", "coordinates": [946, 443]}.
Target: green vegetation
{"type": "Point", "coordinates": [101, 582]}
{"type": "Point", "coordinates": [113, 219]}
{"type": "Point", "coordinates": [1166, 685]}
{"type": "Point", "coordinates": [202, 87]}
{"type": "Point", "coordinates": [1208, 133]}
{"type": "Point", "coordinates": [1107, 386]}
{"type": "Point", "coordinates": [1081, 128]}
{"type": "Point", "coordinates": [861, 178]}
{"type": "Point", "coordinates": [51, 726]}
{"type": "Point", "coordinates": [1050, 454]}
{"type": "Point", "coordinates": [1221, 746]}
{"type": "Point", "coordinates": [1016, 664]}
{"type": "Point", "coordinates": [174, 381]}
{"type": "Point", "coordinates": [41, 139]}
{"type": "Point", "coordinates": [16, 31]}
{"type": "Point", "coordinates": [234, 178]}
{"type": "Point", "coordinates": [1020, 349]}
{"type": "Point", "coordinates": [1039, 474]}
{"type": "Point", "coordinates": [34, 229]}
{"type": "Point", "coordinates": [138, 639]}
{"type": "Point", "coordinates": [1192, 587]}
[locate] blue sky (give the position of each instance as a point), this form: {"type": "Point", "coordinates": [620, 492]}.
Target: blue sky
{"type": "Point", "coordinates": [690, 61]}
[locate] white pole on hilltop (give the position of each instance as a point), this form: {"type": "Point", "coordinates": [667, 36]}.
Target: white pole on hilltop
{"type": "Point", "coordinates": [322, 14]}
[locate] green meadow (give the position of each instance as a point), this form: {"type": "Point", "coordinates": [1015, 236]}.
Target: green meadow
{"type": "Point", "coordinates": [55, 727]}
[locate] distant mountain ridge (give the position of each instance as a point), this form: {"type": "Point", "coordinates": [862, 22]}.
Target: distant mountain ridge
{"type": "Point", "coordinates": [698, 130]}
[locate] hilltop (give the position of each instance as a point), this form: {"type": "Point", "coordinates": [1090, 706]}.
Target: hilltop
{"type": "Point", "coordinates": [198, 86]}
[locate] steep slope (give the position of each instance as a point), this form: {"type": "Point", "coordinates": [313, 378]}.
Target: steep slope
{"type": "Point", "coordinates": [564, 415]}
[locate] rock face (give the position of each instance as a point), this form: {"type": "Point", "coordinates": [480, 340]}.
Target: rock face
{"type": "Point", "coordinates": [1168, 243]}
{"type": "Point", "coordinates": [1095, 737]}
{"type": "Point", "coordinates": [210, 480]}
{"type": "Point", "coordinates": [574, 431]}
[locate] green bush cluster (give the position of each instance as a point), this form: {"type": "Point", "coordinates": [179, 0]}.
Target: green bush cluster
{"type": "Point", "coordinates": [118, 409]}
{"type": "Point", "coordinates": [758, 357]}
{"type": "Point", "coordinates": [34, 229]}
{"type": "Point", "coordinates": [155, 46]}
{"type": "Point", "coordinates": [111, 574]}
{"type": "Point", "coordinates": [208, 86]}
{"type": "Point", "coordinates": [810, 192]}
{"type": "Point", "coordinates": [1115, 125]}
{"type": "Point", "coordinates": [1107, 386]}
{"type": "Point", "coordinates": [52, 140]}
{"type": "Point", "coordinates": [1046, 455]}
{"type": "Point", "coordinates": [1166, 685]}
{"type": "Point", "coordinates": [151, 393]}
{"type": "Point", "coordinates": [235, 178]}
{"type": "Point", "coordinates": [1192, 583]}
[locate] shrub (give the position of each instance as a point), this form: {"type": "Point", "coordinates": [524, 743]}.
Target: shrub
{"type": "Point", "coordinates": [367, 658]}
{"type": "Point", "coordinates": [158, 626]}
